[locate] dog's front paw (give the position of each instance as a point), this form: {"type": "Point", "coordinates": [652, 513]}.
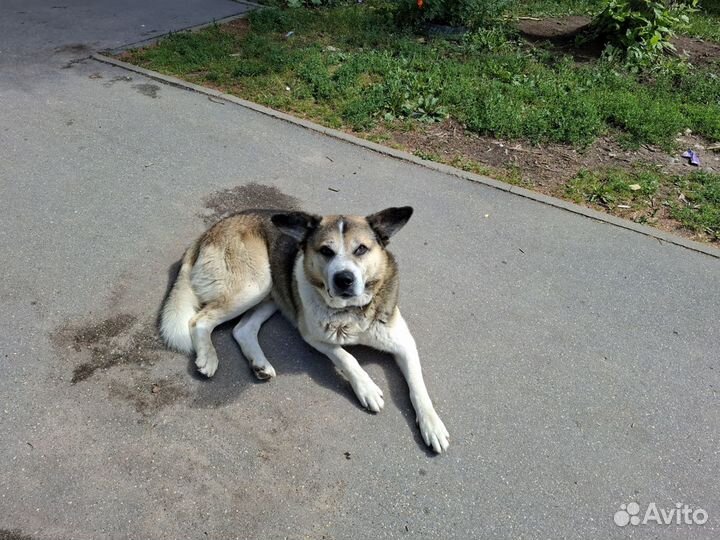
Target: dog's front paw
{"type": "Point", "coordinates": [433, 431]}
{"type": "Point", "coordinates": [369, 394]}
{"type": "Point", "coordinates": [207, 364]}
{"type": "Point", "coordinates": [264, 372]}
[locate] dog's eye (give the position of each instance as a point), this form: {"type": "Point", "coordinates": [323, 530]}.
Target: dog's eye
{"type": "Point", "coordinates": [326, 251]}
{"type": "Point", "coordinates": [361, 250]}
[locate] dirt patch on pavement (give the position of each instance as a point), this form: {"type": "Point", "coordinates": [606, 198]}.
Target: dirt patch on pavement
{"type": "Point", "coordinates": [149, 90]}
{"type": "Point", "coordinates": [116, 341]}
{"type": "Point", "coordinates": [14, 534]}
{"type": "Point", "coordinates": [124, 349]}
{"type": "Point", "coordinates": [147, 396]}
{"type": "Point", "coordinates": [126, 343]}
{"type": "Point", "coordinates": [74, 48]}
{"type": "Point", "coordinates": [91, 334]}
{"type": "Point", "coordinates": [226, 202]}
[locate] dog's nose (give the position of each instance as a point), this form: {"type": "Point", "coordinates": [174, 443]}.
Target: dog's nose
{"type": "Point", "coordinates": [343, 280]}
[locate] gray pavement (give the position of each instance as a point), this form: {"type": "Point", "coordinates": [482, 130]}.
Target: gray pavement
{"type": "Point", "coordinates": [574, 362]}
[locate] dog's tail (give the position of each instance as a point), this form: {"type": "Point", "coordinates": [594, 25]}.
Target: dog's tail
{"type": "Point", "coordinates": [181, 305]}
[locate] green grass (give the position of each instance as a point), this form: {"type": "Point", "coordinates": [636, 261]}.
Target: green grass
{"type": "Point", "coordinates": [351, 66]}
{"type": "Point", "coordinates": [613, 187]}
{"type": "Point", "coordinates": [701, 212]}
{"type": "Point", "coordinates": [693, 200]}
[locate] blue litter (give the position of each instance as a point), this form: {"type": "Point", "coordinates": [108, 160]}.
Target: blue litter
{"type": "Point", "coordinates": [693, 157]}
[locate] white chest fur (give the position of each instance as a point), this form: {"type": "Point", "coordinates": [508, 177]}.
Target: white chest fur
{"type": "Point", "coordinates": [318, 321]}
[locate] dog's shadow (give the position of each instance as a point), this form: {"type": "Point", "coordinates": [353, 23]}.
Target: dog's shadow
{"type": "Point", "coordinates": [290, 355]}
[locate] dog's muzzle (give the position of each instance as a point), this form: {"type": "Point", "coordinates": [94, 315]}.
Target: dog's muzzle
{"type": "Point", "coordinates": [344, 284]}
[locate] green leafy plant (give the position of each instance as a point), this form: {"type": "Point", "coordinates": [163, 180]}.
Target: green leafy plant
{"type": "Point", "coordinates": [640, 31]}
{"type": "Point", "coordinates": [412, 95]}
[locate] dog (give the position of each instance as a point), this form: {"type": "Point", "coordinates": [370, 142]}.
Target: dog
{"type": "Point", "coordinates": [331, 276]}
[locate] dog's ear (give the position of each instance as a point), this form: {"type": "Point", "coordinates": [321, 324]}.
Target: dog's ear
{"type": "Point", "coordinates": [389, 221]}
{"type": "Point", "coordinates": [298, 225]}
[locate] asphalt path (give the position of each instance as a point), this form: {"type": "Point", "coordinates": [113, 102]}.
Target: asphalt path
{"type": "Point", "coordinates": [575, 363]}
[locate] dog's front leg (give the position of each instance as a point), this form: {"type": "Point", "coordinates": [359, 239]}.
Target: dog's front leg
{"type": "Point", "coordinates": [395, 337]}
{"type": "Point", "coordinates": [370, 396]}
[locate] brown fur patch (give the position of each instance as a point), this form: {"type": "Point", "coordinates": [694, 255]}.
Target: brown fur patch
{"type": "Point", "coordinates": [378, 265]}
{"type": "Point", "coordinates": [224, 232]}
{"type": "Point", "coordinates": [355, 231]}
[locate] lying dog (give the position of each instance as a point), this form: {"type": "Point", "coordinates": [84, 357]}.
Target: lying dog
{"type": "Point", "coordinates": [331, 276]}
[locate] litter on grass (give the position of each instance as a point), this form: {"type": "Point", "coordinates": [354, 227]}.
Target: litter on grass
{"type": "Point", "coordinates": [693, 157]}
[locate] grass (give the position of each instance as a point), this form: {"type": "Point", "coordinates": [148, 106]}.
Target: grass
{"type": "Point", "coordinates": [693, 200]}
{"type": "Point", "coordinates": [351, 67]}
{"type": "Point", "coordinates": [700, 208]}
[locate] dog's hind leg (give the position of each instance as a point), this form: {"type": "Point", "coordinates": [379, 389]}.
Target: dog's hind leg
{"type": "Point", "coordinates": [246, 334]}
{"type": "Point", "coordinates": [215, 313]}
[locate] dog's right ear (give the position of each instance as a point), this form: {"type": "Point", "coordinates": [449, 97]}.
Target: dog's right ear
{"type": "Point", "coordinates": [298, 225]}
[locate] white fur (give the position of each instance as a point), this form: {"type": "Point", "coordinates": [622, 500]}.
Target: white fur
{"type": "Point", "coordinates": [395, 337]}
{"type": "Point", "coordinates": [343, 262]}
{"type": "Point", "coordinates": [246, 334]}
{"type": "Point", "coordinates": [327, 330]}
{"type": "Point", "coordinates": [320, 319]}
{"type": "Point", "coordinates": [202, 324]}
{"type": "Point", "coordinates": [181, 305]}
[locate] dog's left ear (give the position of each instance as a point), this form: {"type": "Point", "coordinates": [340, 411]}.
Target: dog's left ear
{"type": "Point", "coordinates": [298, 225]}
{"type": "Point", "coordinates": [389, 221]}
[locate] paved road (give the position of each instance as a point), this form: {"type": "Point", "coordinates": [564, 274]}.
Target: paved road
{"type": "Point", "coordinates": [574, 363]}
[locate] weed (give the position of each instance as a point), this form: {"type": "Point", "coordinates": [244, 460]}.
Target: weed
{"type": "Point", "coordinates": [698, 203]}
{"type": "Point", "coordinates": [612, 187]}
{"type": "Point", "coordinates": [640, 30]}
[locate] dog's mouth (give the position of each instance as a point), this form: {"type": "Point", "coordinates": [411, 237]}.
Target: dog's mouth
{"type": "Point", "coordinates": [345, 295]}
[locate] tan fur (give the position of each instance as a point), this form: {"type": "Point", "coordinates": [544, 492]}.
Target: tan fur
{"type": "Point", "coordinates": [254, 262]}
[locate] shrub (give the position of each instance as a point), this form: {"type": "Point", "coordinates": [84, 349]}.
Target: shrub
{"type": "Point", "coordinates": [639, 31]}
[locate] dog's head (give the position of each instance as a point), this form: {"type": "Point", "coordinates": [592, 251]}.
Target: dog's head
{"type": "Point", "coordinates": [345, 257]}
